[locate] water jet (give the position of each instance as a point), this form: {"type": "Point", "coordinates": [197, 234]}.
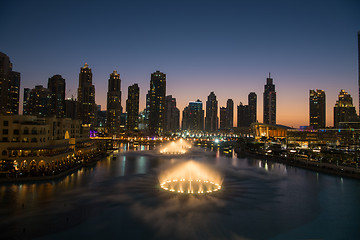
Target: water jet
{"type": "Point", "coordinates": [190, 177]}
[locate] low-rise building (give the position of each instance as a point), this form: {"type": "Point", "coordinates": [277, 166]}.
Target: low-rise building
{"type": "Point", "coordinates": [48, 145]}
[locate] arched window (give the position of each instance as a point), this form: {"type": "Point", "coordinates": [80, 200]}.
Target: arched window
{"type": "Point", "coordinates": [33, 140]}
{"type": "Point", "coordinates": [33, 131]}
{"type": "Point", "coordinates": [4, 153]}
{"type": "Point", "coordinates": [26, 130]}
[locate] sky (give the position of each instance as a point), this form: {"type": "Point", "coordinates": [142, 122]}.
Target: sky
{"type": "Point", "coordinates": [228, 47]}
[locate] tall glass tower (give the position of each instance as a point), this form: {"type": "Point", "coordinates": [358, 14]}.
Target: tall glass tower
{"type": "Point", "coordinates": [317, 108]}
{"type": "Point", "coordinates": [211, 119]}
{"type": "Point", "coordinates": [269, 102]}
{"type": "Point", "coordinates": [86, 96]}
{"type": "Point", "coordinates": [113, 108]}
{"type": "Point", "coordinates": [157, 94]}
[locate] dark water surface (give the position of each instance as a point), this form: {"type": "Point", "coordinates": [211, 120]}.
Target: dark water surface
{"type": "Point", "coordinates": [121, 199]}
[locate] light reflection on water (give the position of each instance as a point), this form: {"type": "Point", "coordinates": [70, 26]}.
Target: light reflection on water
{"type": "Point", "coordinates": [260, 200]}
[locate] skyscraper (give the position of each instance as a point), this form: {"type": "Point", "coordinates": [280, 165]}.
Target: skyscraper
{"type": "Point", "coordinates": [211, 119]}
{"type": "Point", "coordinates": [26, 100]}
{"type": "Point", "coordinates": [157, 94]}
{"type": "Point", "coordinates": [252, 102]}
{"type": "Point", "coordinates": [39, 102]}
{"type": "Point", "coordinates": [229, 114]}
{"type": "Point", "coordinates": [132, 108]}
{"type": "Point", "coordinates": [344, 111]}
{"type": "Point", "coordinates": [193, 116]}
{"type": "Point", "coordinates": [113, 104]}
{"type": "Point", "coordinates": [86, 96]}
{"type": "Point", "coordinates": [223, 118]}
{"type": "Point", "coordinates": [100, 123]}
{"type": "Point", "coordinates": [71, 108]}
{"type": "Point", "coordinates": [9, 87]}
{"type": "Point", "coordinates": [147, 111]}
{"type": "Point", "coordinates": [56, 85]}
{"type": "Point", "coordinates": [243, 115]}
{"type": "Point", "coordinates": [172, 114]}
{"type": "Point", "coordinates": [269, 102]}
{"type": "Point", "coordinates": [317, 108]}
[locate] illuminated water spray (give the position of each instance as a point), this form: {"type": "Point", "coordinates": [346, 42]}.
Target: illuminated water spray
{"type": "Point", "coordinates": [176, 147]}
{"type": "Point", "coordinates": [191, 178]}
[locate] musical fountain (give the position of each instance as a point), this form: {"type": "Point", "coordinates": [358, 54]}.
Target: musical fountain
{"type": "Point", "coordinates": [190, 177]}
{"type": "Point", "coordinates": [176, 147]}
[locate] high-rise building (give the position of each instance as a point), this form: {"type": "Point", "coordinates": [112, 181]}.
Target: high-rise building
{"type": "Point", "coordinates": [132, 108]}
{"type": "Point", "coordinates": [252, 102]}
{"type": "Point", "coordinates": [269, 102]}
{"type": "Point", "coordinates": [211, 119]}
{"type": "Point", "coordinates": [56, 85]}
{"type": "Point", "coordinates": [229, 114]}
{"type": "Point", "coordinates": [113, 107]}
{"type": "Point", "coordinates": [86, 96]}
{"type": "Point", "coordinates": [243, 115]}
{"type": "Point", "coordinates": [157, 94]}
{"type": "Point", "coordinates": [71, 108]}
{"type": "Point", "coordinates": [172, 114]}
{"type": "Point", "coordinates": [193, 116]}
{"type": "Point", "coordinates": [142, 120]}
{"type": "Point", "coordinates": [247, 113]}
{"type": "Point", "coordinates": [223, 118]}
{"type": "Point", "coordinates": [147, 112]}
{"type": "Point", "coordinates": [100, 119]}
{"type": "Point", "coordinates": [9, 87]}
{"type": "Point", "coordinates": [317, 108]}
{"type": "Point", "coordinates": [26, 100]}
{"type": "Point", "coordinates": [39, 103]}
{"type": "Point", "coordinates": [344, 111]}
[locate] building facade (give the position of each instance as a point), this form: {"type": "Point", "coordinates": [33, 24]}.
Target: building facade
{"type": "Point", "coordinates": [46, 145]}
{"type": "Point", "coordinates": [86, 96]}
{"type": "Point", "coordinates": [71, 108]}
{"type": "Point", "coordinates": [252, 102]}
{"type": "Point", "coordinates": [193, 116]}
{"type": "Point", "coordinates": [211, 119]}
{"type": "Point", "coordinates": [26, 100]}
{"type": "Point", "coordinates": [9, 87]}
{"type": "Point", "coordinates": [269, 102]}
{"type": "Point", "coordinates": [56, 86]}
{"type": "Point", "coordinates": [157, 94]}
{"type": "Point", "coordinates": [39, 102]}
{"type": "Point", "coordinates": [344, 110]}
{"type": "Point", "coordinates": [172, 115]}
{"type": "Point", "coordinates": [132, 108]}
{"type": "Point", "coordinates": [229, 114]}
{"type": "Point", "coordinates": [113, 108]}
{"type": "Point", "coordinates": [223, 118]}
{"type": "Point", "coordinates": [243, 116]}
{"type": "Point", "coordinates": [317, 100]}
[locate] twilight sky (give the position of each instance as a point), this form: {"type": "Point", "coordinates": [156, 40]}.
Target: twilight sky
{"type": "Point", "coordinates": [223, 46]}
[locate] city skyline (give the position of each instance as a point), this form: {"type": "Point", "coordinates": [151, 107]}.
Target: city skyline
{"type": "Point", "coordinates": [303, 47]}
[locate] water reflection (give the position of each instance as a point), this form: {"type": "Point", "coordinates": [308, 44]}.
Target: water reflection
{"type": "Point", "coordinates": [124, 191]}
{"type": "Point", "coordinates": [141, 165]}
{"type": "Point", "coordinates": [123, 165]}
